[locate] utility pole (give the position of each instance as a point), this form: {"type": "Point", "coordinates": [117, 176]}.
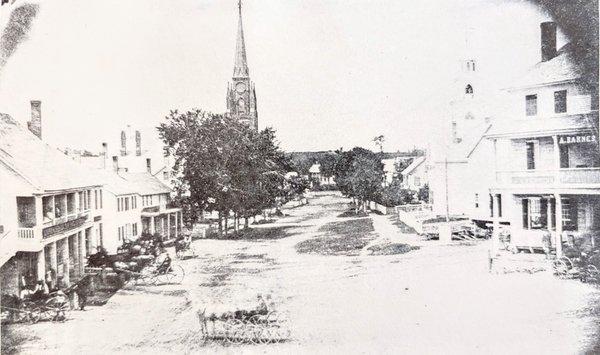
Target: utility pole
{"type": "Point", "coordinates": [446, 189]}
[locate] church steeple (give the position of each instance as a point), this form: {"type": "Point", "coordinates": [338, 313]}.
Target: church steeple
{"type": "Point", "coordinates": [241, 95]}
{"type": "Point", "coordinates": [240, 68]}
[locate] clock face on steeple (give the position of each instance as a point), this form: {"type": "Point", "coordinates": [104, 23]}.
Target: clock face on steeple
{"type": "Point", "coordinates": [240, 88]}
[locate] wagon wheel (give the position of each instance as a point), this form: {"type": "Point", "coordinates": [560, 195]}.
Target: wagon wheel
{"type": "Point", "coordinates": [262, 334]}
{"type": "Point", "coordinates": [34, 315]}
{"type": "Point", "coordinates": [30, 312]}
{"type": "Point", "coordinates": [175, 275]}
{"type": "Point", "coordinates": [235, 331]}
{"type": "Point", "coordinates": [257, 319]}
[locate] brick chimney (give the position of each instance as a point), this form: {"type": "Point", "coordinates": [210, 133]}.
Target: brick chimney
{"type": "Point", "coordinates": [35, 124]}
{"type": "Point", "coordinates": [548, 40]}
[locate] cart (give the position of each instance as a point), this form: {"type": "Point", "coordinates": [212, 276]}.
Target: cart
{"type": "Point", "coordinates": [155, 276]}
{"type": "Point", "coordinates": [245, 328]}
{"type": "Point", "coordinates": [52, 307]}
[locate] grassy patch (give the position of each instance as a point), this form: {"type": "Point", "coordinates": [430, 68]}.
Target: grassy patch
{"type": "Point", "coordinates": [340, 238]}
{"type": "Point", "coordinates": [391, 249]}
{"type": "Point", "coordinates": [352, 213]}
{"type": "Point", "coordinates": [404, 228]}
{"type": "Point", "coordinates": [255, 234]}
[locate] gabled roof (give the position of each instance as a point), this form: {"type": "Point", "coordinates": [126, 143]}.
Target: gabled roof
{"type": "Point", "coordinates": [45, 168]}
{"type": "Point", "coordinates": [115, 183]}
{"type": "Point", "coordinates": [146, 183]}
{"type": "Point", "coordinates": [561, 68]}
{"type": "Point", "coordinates": [415, 164]}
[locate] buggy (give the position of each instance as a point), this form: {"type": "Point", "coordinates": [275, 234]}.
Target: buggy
{"type": "Point", "coordinates": [162, 274]}
{"type": "Point", "coordinates": [35, 307]}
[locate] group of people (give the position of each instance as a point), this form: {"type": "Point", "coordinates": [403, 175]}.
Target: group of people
{"type": "Point", "coordinates": [44, 289]}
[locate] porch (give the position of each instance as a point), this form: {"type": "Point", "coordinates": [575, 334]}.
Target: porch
{"type": "Point", "coordinates": [166, 223]}
{"type": "Point", "coordinates": [552, 222]}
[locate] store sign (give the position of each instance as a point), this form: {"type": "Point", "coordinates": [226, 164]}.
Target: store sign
{"type": "Point", "coordinates": [63, 227]}
{"type": "Point", "coordinates": [574, 139]}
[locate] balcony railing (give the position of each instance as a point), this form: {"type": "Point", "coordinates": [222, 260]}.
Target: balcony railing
{"type": "Point", "coordinates": [26, 233]}
{"type": "Point", "coordinates": [567, 176]}
{"type": "Point", "coordinates": [64, 219]}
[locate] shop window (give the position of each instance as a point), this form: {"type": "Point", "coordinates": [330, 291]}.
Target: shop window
{"type": "Point", "coordinates": [535, 213]}
{"type": "Point", "coordinates": [560, 101]}
{"type": "Point", "coordinates": [531, 105]}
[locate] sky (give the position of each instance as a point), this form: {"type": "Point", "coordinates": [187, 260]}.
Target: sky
{"type": "Point", "coordinates": [328, 73]}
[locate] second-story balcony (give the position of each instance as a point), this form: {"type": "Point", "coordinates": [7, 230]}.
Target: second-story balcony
{"type": "Point", "coordinates": [566, 177]}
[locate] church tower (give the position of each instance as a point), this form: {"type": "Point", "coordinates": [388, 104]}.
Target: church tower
{"type": "Point", "coordinates": [241, 95]}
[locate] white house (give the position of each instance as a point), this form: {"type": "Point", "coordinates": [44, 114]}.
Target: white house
{"type": "Point", "coordinates": [547, 163]}
{"type": "Point", "coordinates": [47, 213]}
{"type": "Point", "coordinates": [414, 176]}
{"type": "Point", "coordinates": [314, 173]}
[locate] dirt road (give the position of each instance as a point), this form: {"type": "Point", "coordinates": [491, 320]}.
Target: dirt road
{"type": "Point", "coordinates": [437, 299]}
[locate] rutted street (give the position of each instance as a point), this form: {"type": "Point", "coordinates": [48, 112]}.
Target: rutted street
{"type": "Point", "coordinates": [433, 298]}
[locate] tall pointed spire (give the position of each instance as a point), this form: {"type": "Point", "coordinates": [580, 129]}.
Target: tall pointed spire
{"type": "Point", "coordinates": [240, 68]}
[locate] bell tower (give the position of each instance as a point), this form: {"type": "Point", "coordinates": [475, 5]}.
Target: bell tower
{"type": "Point", "coordinates": [241, 95]}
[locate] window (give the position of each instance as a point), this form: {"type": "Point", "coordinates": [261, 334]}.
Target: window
{"type": "Point", "coordinates": [569, 214]}
{"type": "Point", "coordinates": [531, 105]}
{"type": "Point", "coordinates": [530, 147]}
{"type": "Point", "coordinates": [535, 213]}
{"type": "Point", "coordinates": [134, 227]}
{"type": "Point", "coordinates": [95, 199]}
{"type": "Point", "coordinates": [126, 203]}
{"type": "Point", "coordinates": [148, 165]}
{"type": "Point", "coordinates": [123, 143]}
{"type": "Point", "coordinates": [165, 175]}
{"type": "Point", "coordinates": [469, 89]}
{"type": "Point", "coordinates": [89, 199]}
{"type": "Point", "coordinates": [476, 200]}
{"type": "Point", "coordinates": [100, 198]}
{"type": "Point", "coordinates": [560, 101]}
{"type": "Point", "coordinates": [564, 155]}
{"type": "Point", "coordinates": [499, 205]}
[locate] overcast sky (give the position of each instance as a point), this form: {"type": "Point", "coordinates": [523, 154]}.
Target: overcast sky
{"type": "Point", "coordinates": [328, 74]}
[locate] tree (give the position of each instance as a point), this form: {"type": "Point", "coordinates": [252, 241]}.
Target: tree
{"type": "Point", "coordinates": [225, 165]}
{"type": "Point", "coordinates": [359, 174]}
